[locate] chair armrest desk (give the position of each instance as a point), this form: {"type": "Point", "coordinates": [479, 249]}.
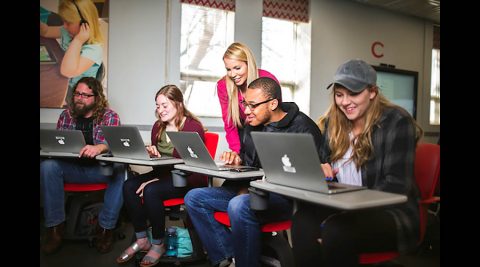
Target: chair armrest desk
{"type": "Point", "coordinates": [353, 200]}
{"type": "Point", "coordinates": [227, 175]}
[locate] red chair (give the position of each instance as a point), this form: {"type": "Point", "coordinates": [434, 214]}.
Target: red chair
{"type": "Point", "coordinates": [69, 187]}
{"type": "Point", "coordinates": [222, 217]}
{"type": "Point", "coordinates": [427, 173]}
{"type": "Point", "coordinates": [276, 250]}
{"type": "Point", "coordinates": [211, 142]}
{"type": "Point", "coordinates": [90, 202]}
{"type": "Point", "coordinates": [75, 207]}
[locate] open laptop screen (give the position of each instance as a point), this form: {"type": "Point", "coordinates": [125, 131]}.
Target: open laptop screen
{"type": "Point", "coordinates": [46, 55]}
{"type": "Point", "coordinates": [291, 159]}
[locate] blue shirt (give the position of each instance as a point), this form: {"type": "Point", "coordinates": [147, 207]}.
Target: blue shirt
{"type": "Point", "coordinates": [93, 52]}
{"type": "Point", "coordinates": [44, 13]}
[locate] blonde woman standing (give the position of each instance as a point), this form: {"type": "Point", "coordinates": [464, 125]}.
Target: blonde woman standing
{"type": "Point", "coordinates": [241, 70]}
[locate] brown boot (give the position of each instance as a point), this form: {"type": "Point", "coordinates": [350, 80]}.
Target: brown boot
{"type": "Point", "coordinates": [53, 239]}
{"type": "Point", "coordinates": [104, 239]}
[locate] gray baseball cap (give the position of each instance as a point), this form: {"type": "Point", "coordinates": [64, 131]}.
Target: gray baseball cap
{"type": "Point", "coordinates": [355, 75]}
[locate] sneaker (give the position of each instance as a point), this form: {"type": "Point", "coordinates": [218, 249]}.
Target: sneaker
{"type": "Point", "coordinates": [226, 263]}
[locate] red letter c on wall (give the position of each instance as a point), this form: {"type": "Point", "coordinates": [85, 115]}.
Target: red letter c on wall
{"type": "Point", "coordinates": [374, 53]}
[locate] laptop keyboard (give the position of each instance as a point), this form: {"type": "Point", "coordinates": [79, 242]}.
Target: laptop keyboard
{"type": "Point", "coordinates": [237, 168]}
{"type": "Point", "coordinates": [333, 185]}
{"type": "Point", "coordinates": [60, 154]}
{"type": "Point", "coordinates": [161, 158]}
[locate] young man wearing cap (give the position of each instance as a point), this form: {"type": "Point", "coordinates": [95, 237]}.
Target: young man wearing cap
{"type": "Point", "coordinates": [368, 141]}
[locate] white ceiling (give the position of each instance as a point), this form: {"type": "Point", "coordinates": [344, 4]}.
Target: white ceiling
{"type": "Point", "coordinates": [426, 9]}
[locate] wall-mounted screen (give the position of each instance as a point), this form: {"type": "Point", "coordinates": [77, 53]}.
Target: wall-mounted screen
{"type": "Point", "coordinates": [399, 86]}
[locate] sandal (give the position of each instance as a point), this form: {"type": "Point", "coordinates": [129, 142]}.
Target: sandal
{"type": "Point", "coordinates": [124, 257]}
{"type": "Point", "coordinates": [148, 261]}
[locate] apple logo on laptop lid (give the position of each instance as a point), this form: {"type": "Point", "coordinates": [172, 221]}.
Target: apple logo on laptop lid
{"type": "Point", "coordinates": [60, 140]}
{"type": "Point", "coordinates": [192, 153]}
{"type": "Point", "coordinates": [287, 165]}
{"type": "Point", "coordinates": [125, 142]}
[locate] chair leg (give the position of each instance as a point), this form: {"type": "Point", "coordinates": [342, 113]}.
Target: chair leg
{"type": "Point", "coordinates": [276, 250]}
{"type": "Point", "coordinates": [285, 235]}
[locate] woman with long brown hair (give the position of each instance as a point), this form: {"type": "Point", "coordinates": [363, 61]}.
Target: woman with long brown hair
{"type": "Point", "coordinates": [368, 141]}
{"type": "Point", "coordinates": [144, 194]}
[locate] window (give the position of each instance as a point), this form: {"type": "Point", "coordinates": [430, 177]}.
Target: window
{"type": "Point", "coordinates": [435, 88]}
{"type": "Point", "coordinates": [205, 33]}
{"type": "Point", "coordinates": [286, 54]}
{"type": "Point", "coordinates": [278, 42]}
{"type": "Point", "coordinates": [434, 117]}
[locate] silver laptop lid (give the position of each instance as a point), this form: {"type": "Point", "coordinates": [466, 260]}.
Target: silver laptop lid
{"type": "Point", "coordinates": [291, 159]}
{"type": "Point", "coordinates": [125, 142]}
{"type": "Point", "coordinates": [68, 141]}
{"type": "Point", "coordinates": [192, 149]}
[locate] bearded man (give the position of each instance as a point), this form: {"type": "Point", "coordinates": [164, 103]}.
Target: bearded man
{"type": "Point", "coordinates": [88, 109]}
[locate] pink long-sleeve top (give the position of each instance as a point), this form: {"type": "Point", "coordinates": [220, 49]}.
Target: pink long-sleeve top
{"type": "Point", "coordinates": [231, 131]}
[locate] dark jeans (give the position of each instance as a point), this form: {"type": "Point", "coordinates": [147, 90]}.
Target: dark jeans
{"type": "Point", "coordinates": [343, 234]}
{"type": "Point", "coordinates": [154, 194]}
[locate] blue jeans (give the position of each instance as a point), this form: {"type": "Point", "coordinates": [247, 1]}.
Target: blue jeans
{"type": "Point", "coordinates": [55, 172]}
{"type": "Point", "coordinates": [243, 241]}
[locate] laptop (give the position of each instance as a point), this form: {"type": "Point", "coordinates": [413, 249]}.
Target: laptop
{"type": "Point", "coordinates": [291, 159]}
{"type": "Point", "coordinates": [126, 142]}
{"type": "Point", "coordinates": [61, 142]}
{"type": "Point", "coordinates": [194, 153]}
{"type": "Point", "coordinates": [46, 55]}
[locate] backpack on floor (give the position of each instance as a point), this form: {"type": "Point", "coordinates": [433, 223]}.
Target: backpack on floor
{"type": "Point", "coordinates": [184, 243]}
{"type": "Point", "coordinates": [82, 212]}
{"type": "Point", "coordinates": [88, 219]}
{"type": "Point", "coordinates": [189, 252]}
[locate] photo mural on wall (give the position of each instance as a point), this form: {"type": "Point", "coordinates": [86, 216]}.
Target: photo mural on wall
{"type": "Point", "coordinates": [74, 30]}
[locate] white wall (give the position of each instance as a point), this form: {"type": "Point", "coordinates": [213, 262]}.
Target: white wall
{"type": "Point", "coordinates": [144, 41]}
{"type": "Point", "coordinates": [248, 25]}
{"type": "Point", "coordinates": [342, 30]}
{"type": "Point", "coordinates": [137, 58]}
{"type": "Point", "coordinates": [145, 51]}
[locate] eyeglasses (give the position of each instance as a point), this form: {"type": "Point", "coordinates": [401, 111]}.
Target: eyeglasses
{"type": "Point", "coordinates": [253, 106]}
{"type": "Point", "coordinates": [82, 95]}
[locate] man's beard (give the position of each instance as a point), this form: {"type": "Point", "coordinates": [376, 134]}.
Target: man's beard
{"type": "Point", "coordinates": [81, 108]}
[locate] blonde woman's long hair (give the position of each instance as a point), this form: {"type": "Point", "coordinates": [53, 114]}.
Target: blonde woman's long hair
{"type": "Point", "coordinates": [339, 128]}
{"type": "Point", "coordinates": [241, 52]}
{"type": "Point", "coordinates": [173, 93]}
{"type": "Point", "coordinates": [69, 13]}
